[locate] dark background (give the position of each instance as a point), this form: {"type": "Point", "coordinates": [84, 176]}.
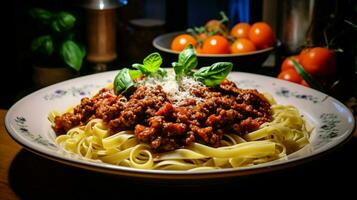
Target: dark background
{"type": "Point", "coordinates": [175, 15]}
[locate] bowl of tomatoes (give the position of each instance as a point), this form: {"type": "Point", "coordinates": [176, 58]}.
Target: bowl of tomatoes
{"type": "Point", "coordinates": [246, 46]}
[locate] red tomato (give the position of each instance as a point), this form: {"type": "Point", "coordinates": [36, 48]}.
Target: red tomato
{"type": "Point", "coordinates": [202, 37]}
{"type": "Point", "coordinates": [288, 64]}
{"type": "Point", "coordinates": [199, 50]}
{"type": "Point", "coordinates": [242, 45]}
{"type": "Point", "coordinates": [215, 25]}
{"type": "Point", "coordinates": [318, 61]}
{"type": "Point", "coordinates": [304, 83]}
{"type": "Point", "coordinates": [240, 30]}
{"type": "Point", "coordinates": [216, 44]}
{"type": "Point", "coordinates": [181, 41]}
{"type": "Point", "coordinates": [290, 75]}
{"type": "Point", "coordinates": [261, 35]}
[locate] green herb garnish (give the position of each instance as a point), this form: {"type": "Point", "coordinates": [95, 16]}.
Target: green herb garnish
{"type": "Point", "coordinates": [150, 67]}
{"type": "Point", "coordinates": [123, 81]}
{"type": "Point", "coordinates": [151, 64]}
{"type": "Point", "coordinates": [213, 75]}
{"type": "Point", "coordinates": [210, 76]}
{"type": "Point", "coordinates": [187, 61]}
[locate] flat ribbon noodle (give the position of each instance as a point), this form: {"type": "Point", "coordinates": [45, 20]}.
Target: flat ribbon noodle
{"type": "Point", "coordinates": [286, 133]}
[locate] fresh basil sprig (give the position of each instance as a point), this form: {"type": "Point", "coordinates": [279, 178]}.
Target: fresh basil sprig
{"type": "Point", "coordinates": [213, 75]}
{"type": "Point", "coordinates": [125, 78]}
{"type": "Point", "coordinates": [187, 61]}
{"type": "Point", "coordinates": [123, 81]}
{"type": "Point", "coordinates": [210, 76]}
{"type": "Point", "coordinates": [151, 64]}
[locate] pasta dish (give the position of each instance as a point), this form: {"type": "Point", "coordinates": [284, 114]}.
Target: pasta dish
{"type": "Point", "coordinates": [187, 120]}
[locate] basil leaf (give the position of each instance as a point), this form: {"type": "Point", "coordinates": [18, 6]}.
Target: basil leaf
{"type": "Point", "coordinates": [141, 68]}
{"type": "Point", "coordinates": [83, 50]}
{"type": "Point", "coordinates": [178, 68]}
{"type": "Point", "coordinates": [122, 81]}
{"type": "Point", "coordinates": [72, 54]}
{"type": "Point", "coordinates": [311, 81]}
{"type": "Point", "coordinates": [43, 44]}
{"type": "Point", "coordinates": [134, 74]}
{"type": "Point", "coordinates": [41, 15]}
{"type": "Point", "coordinates": [188, 59]}
{"type": "Point", "coordinates": [213, 75]}
{"type": "Point", "coordinates": [63, 21]}
{"type": "Point", "coordinates": [152, 62]}
{"type": "Point", "coordinates": [162, 72]}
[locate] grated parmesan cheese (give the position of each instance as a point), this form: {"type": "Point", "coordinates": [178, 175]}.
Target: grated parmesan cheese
{"type": "Point", "coordinates": [176, 92]}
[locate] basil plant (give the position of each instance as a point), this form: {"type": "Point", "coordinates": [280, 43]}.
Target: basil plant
{"type": "Point", "coordinates": [58, 40]}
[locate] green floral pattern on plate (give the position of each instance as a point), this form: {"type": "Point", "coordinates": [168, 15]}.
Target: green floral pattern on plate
{"type": "Point", "coordinates": [22, 127]}
{"type": "Point", "coordinates": [328, 128]}
{"type": "Point", "coordinates": [284, 92]}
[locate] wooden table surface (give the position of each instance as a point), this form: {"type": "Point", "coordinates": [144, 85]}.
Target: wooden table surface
{"type": "Point", "coordinates": [24, 175]}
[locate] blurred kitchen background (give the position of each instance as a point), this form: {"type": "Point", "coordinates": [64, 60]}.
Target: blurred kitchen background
{"type": "Point", "coordinates": [127, 28]}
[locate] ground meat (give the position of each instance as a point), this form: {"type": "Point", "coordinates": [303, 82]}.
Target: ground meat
{"type": "Point", "coordinates": [156, 121]}
{"type": "Point", "coordinates": [65, 122]}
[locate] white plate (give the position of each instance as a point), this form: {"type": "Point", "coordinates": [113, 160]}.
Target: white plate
{"type": "Point", "coordinates": [27, 123]}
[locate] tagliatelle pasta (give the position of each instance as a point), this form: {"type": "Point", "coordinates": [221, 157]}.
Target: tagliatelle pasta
{"type": "Point", "coordinates": [285, 134]}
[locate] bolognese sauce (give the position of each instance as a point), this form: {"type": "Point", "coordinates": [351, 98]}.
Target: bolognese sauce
{"type": "Point", "coordinates": [201, 114]}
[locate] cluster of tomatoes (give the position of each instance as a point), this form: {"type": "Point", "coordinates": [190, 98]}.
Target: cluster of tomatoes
{"type": "Point", "coordinates": [215, 38]}
{"type": "Point", "coordinates": [317, 62]}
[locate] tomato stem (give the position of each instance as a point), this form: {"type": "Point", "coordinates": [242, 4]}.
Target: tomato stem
{"type": "Point", "coordinates": [326, 40]}
{"type": "Point", "coordinates": [224, 17]}
{"type": "Point", "coordinates": [351, 23]}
